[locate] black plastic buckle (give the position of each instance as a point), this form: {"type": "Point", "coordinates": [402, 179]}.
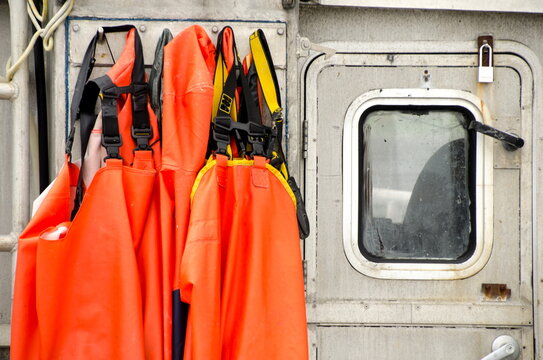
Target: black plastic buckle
{"type": "Point", "coordinates": [142, 137]}
{"type": "Point", "coordinates": [222, 126]}
{"type": "Point", "coordinates": [112, 145]}
{"type": "Point", "coordinates": [272, 138]}
{"type": "Point", "coordinates": [257, 135]}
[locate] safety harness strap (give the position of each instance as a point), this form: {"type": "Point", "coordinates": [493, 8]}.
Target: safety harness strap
{"type": "Point", "coordinates": [224, 97]}
{"type": "Point", "coordinates": [141, 125]}
{"type": "Point", "coordinates": [269, 85]}
{"type": "Point", "coordinates": [265, 69]}
{"type": "Point", "coordinates": [246, 126]}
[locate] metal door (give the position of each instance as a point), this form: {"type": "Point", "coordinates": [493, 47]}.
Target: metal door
{"type": "Point", "coordinates": [361, 308]}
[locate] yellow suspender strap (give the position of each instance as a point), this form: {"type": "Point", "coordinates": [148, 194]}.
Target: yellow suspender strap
{"type": "Point", "coordinates": [221, 73]}
{"type": "Point", "coordinates": [264, 71]}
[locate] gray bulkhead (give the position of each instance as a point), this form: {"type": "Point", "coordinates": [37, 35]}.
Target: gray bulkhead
{"type": "Point", "coordinates": [352, 314]}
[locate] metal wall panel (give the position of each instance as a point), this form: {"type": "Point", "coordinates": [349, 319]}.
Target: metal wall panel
{"type": "Point", "coordinates": [528, 6]}
{"type": "Point", "coordinates": [5, 173]}
{"type": "Point", "coordinates": [338, 294]}
{"type": "Point", "coordinates": [370, 343]}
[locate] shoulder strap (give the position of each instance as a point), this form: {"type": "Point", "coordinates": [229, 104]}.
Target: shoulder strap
{"type": "Point", "coordinates": [247, 127]}
{"type": "Point", "coordinates": [270, 88]}
{"type": "Point", "coordinates": [84, 103]}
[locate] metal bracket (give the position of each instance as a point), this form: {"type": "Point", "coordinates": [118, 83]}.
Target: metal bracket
{"type": "Point", "coordinates": [288, 4]}
{"type": "Point", "coordinates": [305, 45]}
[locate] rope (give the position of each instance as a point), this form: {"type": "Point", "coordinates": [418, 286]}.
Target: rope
{"type": "Point", "coordinates": [45, 32]}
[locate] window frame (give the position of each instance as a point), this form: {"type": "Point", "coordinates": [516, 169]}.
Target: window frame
{"type": "Point", "coordinates": [483, 173]}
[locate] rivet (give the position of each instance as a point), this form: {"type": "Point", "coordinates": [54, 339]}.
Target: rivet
{"type": "Point", "coordinates": [143, 28]}
{"type": "Point", "coordinates": [75, 28]}
{"type": "Point", "coordinates": [280, 31]}
{"type": "Point", "coordinates": [214, 29]}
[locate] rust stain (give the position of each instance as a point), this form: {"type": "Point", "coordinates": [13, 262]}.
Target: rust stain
{"type": "Point", "coordinates": [495, 292]}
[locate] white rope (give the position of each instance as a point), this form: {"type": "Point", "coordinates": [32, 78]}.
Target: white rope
{"type": "Point", "coordinates": [45, 32]}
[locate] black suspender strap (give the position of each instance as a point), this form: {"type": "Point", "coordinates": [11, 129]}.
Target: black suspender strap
{"type": "Point", "coordinates": [224, 99]}
{"type": "Point", "coordinates": [155, 77]}
{"type": "Point", "coordinates": [141, 126]}
{"type": "Point", "coordinates": [249, 132]}
{"type": "Point", "coordinates": [84, 101]}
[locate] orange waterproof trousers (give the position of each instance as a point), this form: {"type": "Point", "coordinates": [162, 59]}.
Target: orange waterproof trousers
{"type": "Point", "coordinates": [89, 291]}
{"type": "Point", "coordinates": [241, 270]}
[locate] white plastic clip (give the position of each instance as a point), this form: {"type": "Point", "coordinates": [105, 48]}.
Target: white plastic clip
{"type": "Point", "coordinates": [486, 73]}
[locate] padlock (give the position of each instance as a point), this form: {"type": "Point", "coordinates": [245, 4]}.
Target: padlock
{"type": "Point", "coordinates": [486, 73]}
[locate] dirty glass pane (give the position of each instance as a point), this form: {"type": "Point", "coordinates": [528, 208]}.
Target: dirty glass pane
{"type": "Point", "coordinates": [414, 185]}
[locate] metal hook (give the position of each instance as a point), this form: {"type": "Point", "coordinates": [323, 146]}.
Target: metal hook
{"type": "Point", "coordinates": [100, 34]}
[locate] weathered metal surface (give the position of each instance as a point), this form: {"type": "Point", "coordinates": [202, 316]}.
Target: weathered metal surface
{"type": "Point", "coordinates": [5, 130]}
{"type": "Point", "coordinates": [188, 9]}
{"type": "Point", "coordinates": [529, 6]}
{"type": "Point", "coordinates": [414, 343]}
{"type": "Point", "coordinates": [406, 312]}
{"type": "Point", "coordinates": [495, 292]}
{"type": "Point", "coordinates": [337, 294]}
{"type": "Point", "coordinates": [80, 31]}
{"type": "Point", "coordinates": [331, 108]}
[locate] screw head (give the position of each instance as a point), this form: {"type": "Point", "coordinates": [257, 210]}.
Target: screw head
{"type": "Point", "coordinates": [143, 28]}
{"type": "Point", "coordinates": [214, 29]}
{"type": "Point", "coordinates": [280, 31]}
{"type": "Point", "coordinates": [75, 28]}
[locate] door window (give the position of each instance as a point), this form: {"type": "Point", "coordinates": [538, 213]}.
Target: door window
{"type": "Point", "coordinates": [416, 184]}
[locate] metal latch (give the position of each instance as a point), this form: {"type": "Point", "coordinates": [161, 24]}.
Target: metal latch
{"type": "Point", "coordinates": [485, 44]}
{"type": "Point", "coordinates": [511, 142]}
{"type": "Point", "coordinates": [304, 45]}
{"type": "Point", "coordinates": [486, 73]}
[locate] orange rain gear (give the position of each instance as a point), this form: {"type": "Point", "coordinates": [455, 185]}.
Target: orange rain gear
{"type": "Point", "coordinates": [187, 103]}
{"type": "Point", "coordinates": [78, 289]}
{"type": "Point", "coordinates": [241, 270]}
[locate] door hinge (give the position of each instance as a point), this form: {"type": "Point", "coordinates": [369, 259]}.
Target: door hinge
{"type": "Point", "coordinates": [304, 138]}
{"type": "Point", "coordinates": [304, 265]}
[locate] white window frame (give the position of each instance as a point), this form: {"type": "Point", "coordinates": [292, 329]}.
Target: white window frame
{"type": "Point", "coordinates": [483, 190]}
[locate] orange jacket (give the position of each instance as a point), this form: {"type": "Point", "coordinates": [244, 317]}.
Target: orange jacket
{"type": "Point", "coordinates": [189, 63]}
